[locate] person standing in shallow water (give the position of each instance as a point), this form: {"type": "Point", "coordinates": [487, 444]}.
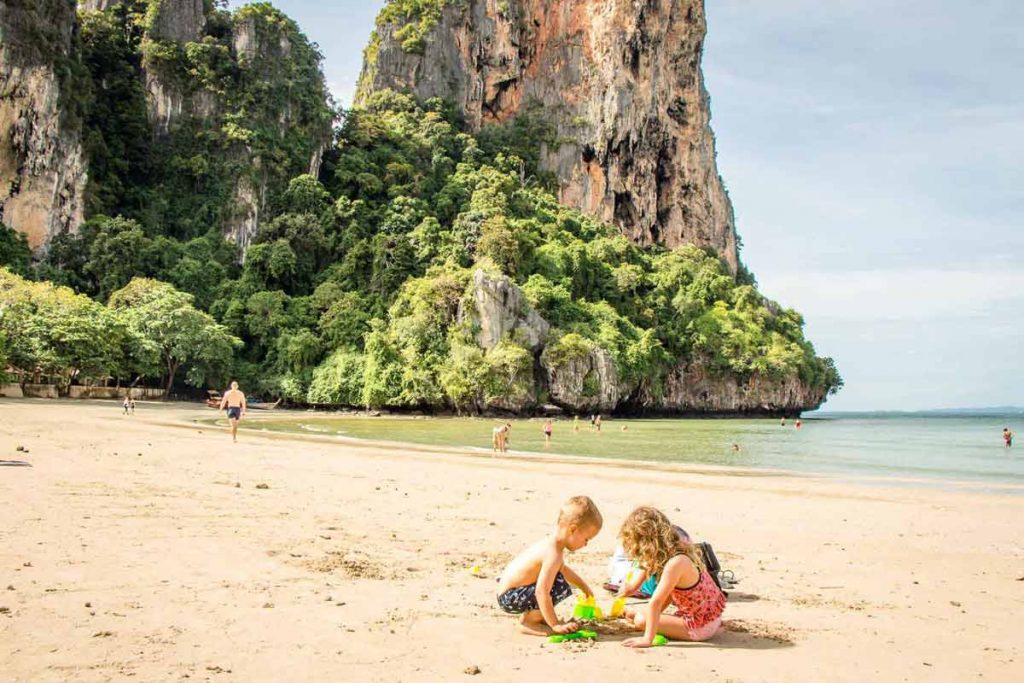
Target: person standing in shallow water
{"type": "Point", "coordinates": [1007, 437]}
{"type": "Point", "coordinates": [548, 428]}
{"type": "Point", "coordinates": [234, 401]}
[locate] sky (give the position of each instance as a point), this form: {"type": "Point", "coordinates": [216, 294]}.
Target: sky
{"type": "Point", "coordinates": [874, 160]}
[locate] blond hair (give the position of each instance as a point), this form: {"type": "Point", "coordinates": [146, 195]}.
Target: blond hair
{"type": "Point", "coordinates": [650, 539]}
{"type": "Point", "coordinates": [580, 511]}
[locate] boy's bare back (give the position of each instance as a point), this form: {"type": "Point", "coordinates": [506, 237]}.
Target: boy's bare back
{"type": "Point", "coordinates": [525, 567]}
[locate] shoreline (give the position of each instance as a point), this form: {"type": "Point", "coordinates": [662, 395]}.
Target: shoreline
{"type": "Point", "coordinates": [980, 485]}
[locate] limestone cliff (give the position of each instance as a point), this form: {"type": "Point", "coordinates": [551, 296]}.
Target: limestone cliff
{"type": "Point", "coordinates": [217, 112]}
{"type": "Point", "coordinates": [620, 80]}
{"type": "Point", "coordinates": [42, 171]}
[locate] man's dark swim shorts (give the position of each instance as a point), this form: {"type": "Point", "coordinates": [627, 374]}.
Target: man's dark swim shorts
{"type": "Point", "coordinates": [524, 598]}
{"type": "Point", "coordinates": [234, 413]}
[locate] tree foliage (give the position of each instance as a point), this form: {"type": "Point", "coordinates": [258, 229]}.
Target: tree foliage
{"type": "Point", "coordinates": [171, 333]}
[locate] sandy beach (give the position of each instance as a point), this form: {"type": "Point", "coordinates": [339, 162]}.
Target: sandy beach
{"type": "Point", "coordinates": [152, 547]}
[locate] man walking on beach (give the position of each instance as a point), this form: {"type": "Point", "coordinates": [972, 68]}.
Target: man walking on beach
{"type": "Point", "coordinates": [234, 401]}
{"type": "Point", "coordinates": [1007, 437]}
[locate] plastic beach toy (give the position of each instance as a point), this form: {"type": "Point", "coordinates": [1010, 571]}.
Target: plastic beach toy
{"type": "Point", "coordinates": [618, 607]}
{"type": "Point", "coordinates": [474, 569]}
{"type": "Point", "coordinates": [659, 639]}
{"type": "Point", "coordinates": [578, 635]}
{"type": "Point", "coordinates": [587, 610]}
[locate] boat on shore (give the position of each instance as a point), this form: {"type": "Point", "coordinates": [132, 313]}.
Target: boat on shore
{"type": "Point", "coordinates": [213, 399]}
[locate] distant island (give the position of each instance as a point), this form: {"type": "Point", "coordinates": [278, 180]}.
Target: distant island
{"type": "Point", "coordinates": [995, 411]}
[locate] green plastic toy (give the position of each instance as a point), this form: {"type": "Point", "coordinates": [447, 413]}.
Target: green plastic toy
{"type": "Point", "coordinates": [586, 609]}
{"type": "Point", "coordinates": [659, 640]}
{"type": "Point", "coordinates": [578, 635]}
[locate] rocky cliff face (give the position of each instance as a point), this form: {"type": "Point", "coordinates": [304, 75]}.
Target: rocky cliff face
{"type": "Point", "coordinates": [42, 171]}
{"type": "Point", "coordinates": [590, 382]}
{"type": "Point", "coordinates": [500, 311]}
{"type": "Point", "coordinates": [691, 389]}
{"type": "Point", "coordinates": [200, 69]}
{"type": "Point", "coordinates": [620, 80]}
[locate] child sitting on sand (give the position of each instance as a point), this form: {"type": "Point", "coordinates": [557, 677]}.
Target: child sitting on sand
{"type": "Point", "coordinates": [625, 580]}
{"type": "Point", "coordinates": [649, 537]}
{"type": "Point", "coordinates": [538, 578]}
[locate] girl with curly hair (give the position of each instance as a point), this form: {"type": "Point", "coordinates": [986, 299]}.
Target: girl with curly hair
{"type": "Point", "coordinates": [683, 580]}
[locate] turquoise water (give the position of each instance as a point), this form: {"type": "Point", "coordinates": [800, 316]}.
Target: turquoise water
{"type": "Point", "coordinates": [897, 447]}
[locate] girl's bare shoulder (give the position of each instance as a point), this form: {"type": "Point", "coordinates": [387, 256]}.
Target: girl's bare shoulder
{"type": "Point", "coordinates": [683, 568]}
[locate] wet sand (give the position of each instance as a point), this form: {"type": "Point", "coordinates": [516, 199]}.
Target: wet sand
{"type": "Point", "coordinates": [152, 547]}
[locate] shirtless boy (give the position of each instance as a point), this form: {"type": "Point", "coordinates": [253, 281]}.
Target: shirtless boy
{"type": "Point", "coordinates": [234, 401]}
{"type": "Point", "coordinates": [538, 578]}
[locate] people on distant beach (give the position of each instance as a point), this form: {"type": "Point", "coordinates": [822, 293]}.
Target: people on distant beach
{"type": "Point", "coordinates": [126, 404]}
{"type": "Point", "coordinates": [538, 578]}
{"type": "Point", "coordinates": [1007, 437]}
{"type": "Point", "coordinates": [131, 404]}
{"type": "Point", "coordinates": [783, 422]}
{"type": "Point", "coordinates": [798, 423]}
{"type": "Point", "coordinates": [592, 419]}
{"type": "Point", "coordinates": [736, 447]}
{"type": "Point", "coordinates": [234, 402]}
{"type": "Point", "coordinates": [548, 428]}
{"type": "Point", "coordinates": [625, 428]}
{"type": "Point", "coordinates": [499, 437]}
{"type": "Point", "coordinates": [683, 581]}
{"type": "Point", "coordinates": [575, 423]}
{"type": "Point", "coordinates": [597, 422]}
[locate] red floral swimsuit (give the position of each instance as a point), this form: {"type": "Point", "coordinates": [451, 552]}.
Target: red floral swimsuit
{"type": "Point", "coordinates": [701, 603]}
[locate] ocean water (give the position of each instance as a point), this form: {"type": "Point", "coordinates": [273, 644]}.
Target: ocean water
{"type": "Point", "coordinates": [894, 448]}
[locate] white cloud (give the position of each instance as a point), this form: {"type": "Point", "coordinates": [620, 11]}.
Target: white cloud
{"type": "Point", "coordinates": [907, 294]}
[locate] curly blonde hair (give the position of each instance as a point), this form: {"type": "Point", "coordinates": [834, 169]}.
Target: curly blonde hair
{"type": "Point", "coordinates": [650, 539]}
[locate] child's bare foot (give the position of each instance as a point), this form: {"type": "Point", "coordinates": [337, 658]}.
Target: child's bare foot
{"type": "Point", "coordinates": [533, 625]}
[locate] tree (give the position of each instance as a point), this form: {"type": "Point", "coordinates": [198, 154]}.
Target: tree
{"type": "Point", "coordinates": [61, 333]}
{"type": "Point", "coordinates": [119, 251]}
{"type": "Point", "coordinates": [172, 332]}
{"type": "Point", "coordinates": [14, 251]}
{"type": "Point", "coordinates": [338, 380]}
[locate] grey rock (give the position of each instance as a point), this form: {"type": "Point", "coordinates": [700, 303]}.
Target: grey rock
{"type": "Point", "coordinates": [587, 383]}
{"type": "Point", "coordinates": [693, 388]}
{"type": "Point", "coordinates": [42, 166]}
{"type": "Point", "coordinates": [501, 311]}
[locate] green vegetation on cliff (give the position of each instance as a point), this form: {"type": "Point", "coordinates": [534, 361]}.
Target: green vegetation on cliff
{"type": "Point", "coordinates": [413, 19]}
{"type": "Point", "coordinates": [220, 114]}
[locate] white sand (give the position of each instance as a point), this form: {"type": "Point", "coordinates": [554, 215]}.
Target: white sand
{"type": "Point", "coordinates": [130, 552]}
